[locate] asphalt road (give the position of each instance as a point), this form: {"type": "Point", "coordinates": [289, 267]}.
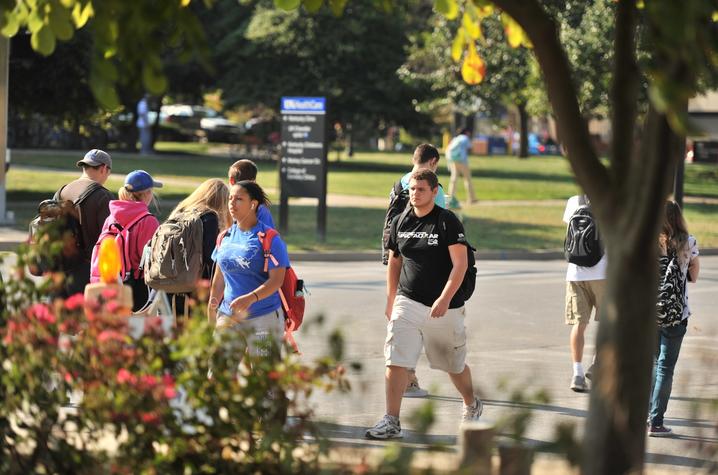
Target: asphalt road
{"type": "Point", "coordinates": [516, 337]}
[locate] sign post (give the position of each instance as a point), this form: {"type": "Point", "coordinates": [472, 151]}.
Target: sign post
{"type": "Point", "coordinates": [303, 163]}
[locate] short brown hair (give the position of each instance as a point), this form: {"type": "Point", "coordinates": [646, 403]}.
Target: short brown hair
{"type": "Point", "coordinates": [426, 175]}
{"type": "Point", "coordinates": [425, 153]}
{"type": "Point", "coordinates": [242, 170]}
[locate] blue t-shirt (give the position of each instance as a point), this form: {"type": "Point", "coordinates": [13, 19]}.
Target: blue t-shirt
{"type": "Point", "coordinates": [265, 216]}
{"type": "Point", "coordinates": [241, 260]}
{"type": "Point", "coordinates": [440, 199]}
{"type": "Point", "coordinates": [458, 149]}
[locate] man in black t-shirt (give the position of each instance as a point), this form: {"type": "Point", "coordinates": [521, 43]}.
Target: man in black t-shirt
{"type": "Point", "coordinates": [427, 262]}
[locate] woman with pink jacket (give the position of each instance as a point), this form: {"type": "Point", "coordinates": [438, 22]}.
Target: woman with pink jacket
{"type": "Point", "coordinates": [132, 225]}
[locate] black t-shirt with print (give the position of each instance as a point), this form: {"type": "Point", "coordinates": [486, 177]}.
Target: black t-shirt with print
{"type": "Point", "coordinates": [426, 261]}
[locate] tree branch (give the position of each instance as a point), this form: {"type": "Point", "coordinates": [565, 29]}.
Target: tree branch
{"type": "Point", "coordinates": [624, 90]}
{"type": "Point", "coordinates": [591, 174]}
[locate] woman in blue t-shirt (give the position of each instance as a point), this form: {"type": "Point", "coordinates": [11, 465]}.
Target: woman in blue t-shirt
{"type": "Point", "coordinates": [244, 297]}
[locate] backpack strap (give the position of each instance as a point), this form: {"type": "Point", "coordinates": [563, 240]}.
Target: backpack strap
{"type": "Point", "coordinates": [220, 237]}
{"type": "Point", "coordinates": [266, 239]}
{"type": "Point", "coordinates": [126, 242]}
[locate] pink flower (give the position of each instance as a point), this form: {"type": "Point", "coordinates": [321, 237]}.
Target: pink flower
{"type": "Point", "coordinates": [68, 377]}
{"type": "Point", "coordinates": [169, 391]}
{"type": "Point", "coordinates": [75, 302]}
{"type": "Point", "coordinates": [153, 326]}
{"type": "Point", "coordinates": [42, 313]}
{"type": "Point", "coordinates": [150, 417]}
{"type": "Point", "coordinates": [110, 335]}
{"type": "Point", "coordinates": [148, 381]}
{"type": "Point", "coordinates": [124, 377]}
{"type": "Point", "coordinates": [112, 306]}
{"type": "Point", "coordinates": [109, 293]}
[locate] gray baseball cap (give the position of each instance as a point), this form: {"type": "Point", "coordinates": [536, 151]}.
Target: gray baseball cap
{"type": "Point", "coordinates": [95, 158]}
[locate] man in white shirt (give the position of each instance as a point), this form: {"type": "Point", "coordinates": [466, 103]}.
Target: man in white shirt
{"type": "Point", "coordinates": [584, 292]}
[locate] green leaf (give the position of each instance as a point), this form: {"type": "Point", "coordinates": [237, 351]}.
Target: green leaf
{"type": "Point", "coordinates": [11, 25]}
{"type": "Point", "coordinates": [154, 80]}
{"type": "Point", "coordinates": [312, 6]}
{"type": "Point", "coordinates": [448, 8]}
{"type": "Point", "coordinates": [471, 26]}
{"type": "Point", "coordinates": [43, 41]}
{"type": "Point", "coordinates": [105, 93]}
{"type": "Point", "coordinates": [81, 14]}
{"type": "Point", "coordinates": [61, 23]}
{"type": "Point", "coordinates": [34, 21]}
{"type": "Point", "coordinates": [457, 46]}
{"type": "Point", "coordinates": [287, 4]}
{"type": "Point", "coordinates": [337, 6]}
{"type": "Point", "coordinates": [105, 70]}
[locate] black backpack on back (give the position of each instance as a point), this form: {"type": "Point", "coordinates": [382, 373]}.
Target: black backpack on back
{"type": "Point", "coordinates": [468, 285]}
{"type": "Point", "coordinates": [582, 245]}
{"type": "Point", "coordinates": [671, 291]}
{"type": "Point", "coordinates": [398, 202]}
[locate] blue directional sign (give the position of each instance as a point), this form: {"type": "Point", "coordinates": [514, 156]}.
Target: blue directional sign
{"type": "Point", "coordinates": [303, 105]}
{"type": "Point", "coordinates": [302, 167]}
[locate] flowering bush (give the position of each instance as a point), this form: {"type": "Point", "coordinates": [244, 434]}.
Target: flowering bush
{"type": "Point", "coordinates": [148, 405]}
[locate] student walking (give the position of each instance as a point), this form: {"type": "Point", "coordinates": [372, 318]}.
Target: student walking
{"type": "Point", "coordinates": [209, 204]}
{"type": "Point", "coordinates": [585, 281]}
{"type": "Point", "coordinates": [679, 264]}
{"type": "Point", "coordinates": [427, 263]}
{"type": "Point", "coordinates": [457, 157]}
{"type": "Point", "coordinates": [426, 157]}
{"type": "Point", "coordinates": [244, 299]}
{"type": "Point", "coordinates": [132, 225]}
{"type": "Point", "coordinates": [92, 200]}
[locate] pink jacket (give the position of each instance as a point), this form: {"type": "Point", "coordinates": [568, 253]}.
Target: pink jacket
{"type": "Point", "coordinates": [123, 212]}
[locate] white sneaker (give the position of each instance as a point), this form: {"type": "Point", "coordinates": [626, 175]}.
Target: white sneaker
{"type": "Point", "coordinates": [414, 390]}
{"type": "Point", "coordinates": [388, 427]}
{"type": "Point", "coordinates": [473, 412]}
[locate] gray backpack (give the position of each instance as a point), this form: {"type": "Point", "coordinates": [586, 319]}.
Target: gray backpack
{"type": "Point", "coordinates": [173, 258]}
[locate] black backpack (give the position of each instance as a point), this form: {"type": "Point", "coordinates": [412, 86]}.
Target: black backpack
{"type": "Point", "coordinates": [671, 291]}
{"type": "Point", "coordinates": [59, 221]}
{"type": "Point", "coordinates": [468, 285]}
{"type": "Point", "coordinates": [398, 202]}
{"type": "Point", "coordinates": [583, 245]}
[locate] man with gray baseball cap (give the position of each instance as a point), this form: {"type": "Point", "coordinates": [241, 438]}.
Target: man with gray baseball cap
{"type": "Point", "coordinates": [92, 201]}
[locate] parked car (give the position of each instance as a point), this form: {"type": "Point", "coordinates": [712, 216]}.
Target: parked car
{"type": "Point", "coordinates": [538, 146]}
{"type": "Point", "coordinates": [200, 123]}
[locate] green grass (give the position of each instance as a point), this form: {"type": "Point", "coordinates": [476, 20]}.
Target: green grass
{"type": "Point", "coordinates": [536, 225]}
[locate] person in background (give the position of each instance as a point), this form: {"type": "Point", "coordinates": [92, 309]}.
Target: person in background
{"type": "Point", "coordinates": [247, 170]}
{"type": "Point", "coordinates": [457, 157]}
{"type": "Point", "coordinates": [673, 241]}
{"type": "Point", "coordinates": [130, 213]}
{"type": "Point", "coordinates": [210, 200]}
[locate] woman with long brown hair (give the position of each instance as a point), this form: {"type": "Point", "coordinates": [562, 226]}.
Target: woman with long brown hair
{"type": "Point", "coordinates": [679, 264]}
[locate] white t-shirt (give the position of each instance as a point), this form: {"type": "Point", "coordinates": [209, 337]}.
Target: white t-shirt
{"type": "Point", "coordinates": [576, 273]}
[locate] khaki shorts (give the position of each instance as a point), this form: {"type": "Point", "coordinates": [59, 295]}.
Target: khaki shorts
{"type": "Point", "coordinates": [261, 335]}
{"type": "Point", "coordinates": [411, 328]}
{"type": "Point", "coordinates": [581, 298]}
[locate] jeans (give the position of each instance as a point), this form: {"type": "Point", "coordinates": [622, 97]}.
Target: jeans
{"type": "Point", "coordinates": [669, 346]}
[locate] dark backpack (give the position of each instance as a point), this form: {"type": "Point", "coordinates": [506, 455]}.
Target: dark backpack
{"type": "Point", "coordinates": [398, 202]}
{"type": "Point", "coordinates": [671, 291]}
{"type": "Point", "coordinates": [172, 260]}
{"type": "Point", "coordinates": [468, 285]}
{"type": "Point", "coordinates": [582, 245]}
{"type": "Point", "coordinates": [59, 221]}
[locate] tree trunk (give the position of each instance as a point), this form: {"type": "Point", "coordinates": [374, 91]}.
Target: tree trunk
{"type": "Point", "coordinates": [524, 130]}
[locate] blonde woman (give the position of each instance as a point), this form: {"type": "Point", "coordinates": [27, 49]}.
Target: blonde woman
{"type": "Point", "coordinates": [210, 199]}
{"type": "Point", "coordinates": [132, 224]}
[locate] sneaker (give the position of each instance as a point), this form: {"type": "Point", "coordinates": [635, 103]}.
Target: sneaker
{"type": "Point", "coordinates": [659, 431]}
{"type": "Point", "coordinates": [578, 384]}
{"type": "Point", "coordinates": [473, 412]}
{"type": "Point", "coordinates": [388, 427]}
{"type": "Point", "coordinates": [589, 372]}
{"type": "Point", "coordinates": [413, 390]}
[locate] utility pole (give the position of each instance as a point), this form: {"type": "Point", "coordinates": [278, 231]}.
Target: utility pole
{"type": "Point", "coordinates": [4, 74]}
